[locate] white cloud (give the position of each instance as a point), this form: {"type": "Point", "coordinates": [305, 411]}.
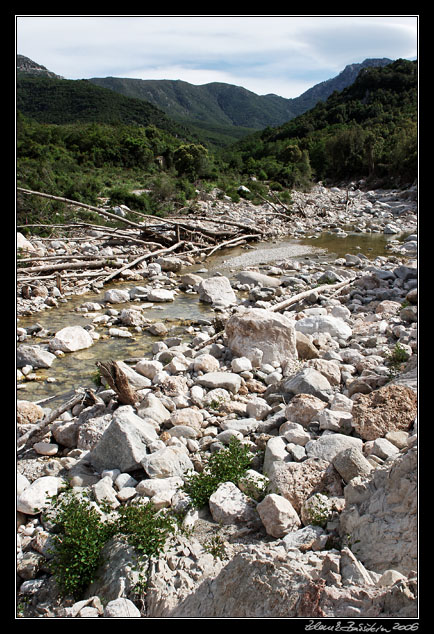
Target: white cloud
{"type": "Point", "coordinates": [285, 55]}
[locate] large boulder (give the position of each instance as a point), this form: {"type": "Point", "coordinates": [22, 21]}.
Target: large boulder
{"type": "Point", "coordinates": [35, 356]}
{"type": "Point", "coordinates": [389, 408]}
{"type": "Point", "coordinates": [229, 505]}
{"type": "Point", "coordinates": [256, 329]}
{"type": "Point", "coordinates": [327, 446]}
{"type": "Point", "coordinates": [124, 442]}
{"type": "Point", "coordinates": [278, 515]}
{"type": "Point", "coordinates": [70, 339]}
{"type": "Point", "coordinates": [36, 497]}
{"type": "Point", "coordinates": [381, 517]}
{"type": "Point", "coordinates": [297, 481]}
{"type": "Point", "coordinates": [308, 381]}
{"type": "Point", "coordinates": [167, 462]}
{"type": "Point", "coordinates": [217, 291]}
{"type": "Point", "coordinates": [303, 408]}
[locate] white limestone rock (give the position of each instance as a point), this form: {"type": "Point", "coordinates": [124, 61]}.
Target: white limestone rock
{"type": "Point", "coordinates": [217, 291]}
{"type": "Point", "coordinates": [256, 329]}
{"type": "Point", "coordinates": [167, 462]}
{"type": "Point", "coordinates": [229, 505]}
{"type": "Point", "coordinates": [36, 497]}
{"type": "Point", "coordinates": [124, 442]}
{"type": "Point", "coordinates": [278, 515]}
{"type": "Point", "coordinates": [71, 339]}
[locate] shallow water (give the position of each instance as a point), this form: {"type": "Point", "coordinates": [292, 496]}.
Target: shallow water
{"type": "Point", "coordinates": [78, 369]}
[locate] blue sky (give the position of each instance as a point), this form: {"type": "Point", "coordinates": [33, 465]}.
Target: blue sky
{"type": "Point", "coordinates": [280, 54]}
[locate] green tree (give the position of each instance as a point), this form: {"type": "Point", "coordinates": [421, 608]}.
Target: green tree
{"type": "Point", "coordinates": [190, 160]}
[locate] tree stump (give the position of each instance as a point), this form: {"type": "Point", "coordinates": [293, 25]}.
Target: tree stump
{"type": "Point", "coordinates": [118, 381]}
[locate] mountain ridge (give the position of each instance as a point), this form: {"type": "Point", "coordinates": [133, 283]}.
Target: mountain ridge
{"type": "Point", "coordinates": [216, 107]}
{"type": "Point", "coordinates": [227, 104]}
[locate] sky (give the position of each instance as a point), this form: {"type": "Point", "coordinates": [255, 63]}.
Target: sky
{"type": "Point", "coordinates": [280, 54]}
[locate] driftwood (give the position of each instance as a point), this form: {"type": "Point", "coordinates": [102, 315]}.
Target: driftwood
{"type": "Point", "coordinates": [167, 235]}
{"type": "Point", "coordinates": [208, 233]}
{"type": "Point", "coordinates": [75, 203]}
{"type": "Point", "coordinates": [118, 381]}
{"type": "Point", "coordinates": [39, 430]}
{"type": "Point", "coordinates": [141, 258]}
{"type": "Point", "coordinates": [296, 298]}
{"type": "Point", "coordinates": [95, 264]}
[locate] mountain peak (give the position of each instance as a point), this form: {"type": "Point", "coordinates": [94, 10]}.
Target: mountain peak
{"type": "Point", "coordinates": [28, 66]}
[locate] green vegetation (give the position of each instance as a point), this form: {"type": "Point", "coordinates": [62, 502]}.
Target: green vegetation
{"type": "Point", "coordinates": [227, 465]}
{"type": "Point", "coordinates": [81, 533]}
{"type": "Point", "coordinates": [63, 101]}
{"type": "Point", "coordinates": [81, 528]}
{"type": "Point", "coordinates": [84, 142]}
{"type": "Point", "coordinates": [80, 536]}
{"type": "Point", "coordinates": [369, 130]}
{"type": "Point", "coordinates": [396, 359]}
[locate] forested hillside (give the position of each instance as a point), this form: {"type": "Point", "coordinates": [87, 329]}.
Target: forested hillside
{"type": "Point", "coordinates": [60, 101]}
{"type": "Point", "coordinates": [368, 130]}
{"type": "Point", "coordinates": [222, 113]}
{"type": "Point", "coordinates": [99, 143]}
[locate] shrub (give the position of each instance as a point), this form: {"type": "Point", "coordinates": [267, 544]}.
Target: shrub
{"type": "Point", "coordinates": [78, 543]}
{"type": "Point", "coordinates": [396, 358]}
{"type": "Point", "coordinates": [227, 465]}
{"type": "Point", "coordinates": [146, 527]}
{"type": "Point", "coordinates": [81, 533]}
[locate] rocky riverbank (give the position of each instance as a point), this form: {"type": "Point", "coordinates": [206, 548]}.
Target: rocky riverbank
{"type": "Point", "coordinates": [311, 366]}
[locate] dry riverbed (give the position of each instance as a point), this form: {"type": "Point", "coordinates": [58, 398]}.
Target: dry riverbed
{"type": "Point", "coordinates": [302, 349]}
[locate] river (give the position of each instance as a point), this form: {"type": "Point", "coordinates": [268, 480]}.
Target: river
{"type": "Point", "coordinates": [78, 369]}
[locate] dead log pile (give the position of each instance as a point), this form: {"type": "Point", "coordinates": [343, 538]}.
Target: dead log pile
{"type": "Point", "coordinates": [149, 237]}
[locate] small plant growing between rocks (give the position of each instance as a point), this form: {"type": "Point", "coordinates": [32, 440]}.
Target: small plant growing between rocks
{"type": "Point", "coordinates": [81, 533]}
{"type": "Point", "coordinates": [77, 543]}
{"type": "Point", "coordinates": [318, 510]}
{"type": "Point", "coordinates": [227, 465]}
{"type": "Point", "coordinates": [396, 359]}
{"type": "Point", "coordinates": [215, 546]}
{"type": "Point", "coordinates": [255, 488]}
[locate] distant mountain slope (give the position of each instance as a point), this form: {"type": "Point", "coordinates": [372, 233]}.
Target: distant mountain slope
{"type": "Point", "coordinates": [323, 90]}
{"type": "Point", "coordinates": [50, 100]}
{"type": "Point", "coordinates": [29, 67]}
{"type": "Point", "coordinates": [220, 104]}
{"type": "Point", "coordinates": [369, 129]}
{"type": "Point", "coordinates": [214, 103]}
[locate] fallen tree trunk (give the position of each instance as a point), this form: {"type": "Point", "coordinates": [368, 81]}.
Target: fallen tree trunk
{"type": "Point", "coordinates": [102, 212]}
{"type": "Point", "coordinates": [141, 258]}
{"type": "Point", "coordinates": [231, 223]}
{"type": "Point", "coordinates": [238, 240]}
{"type": "Point", "coordinates": [39, 430]}
{"type": "Point", "coordinates": [118, 381]}
{"type": "Point", "coordinates": [96, 264]}
{"type": "Point", "coordinates": [296, 298]}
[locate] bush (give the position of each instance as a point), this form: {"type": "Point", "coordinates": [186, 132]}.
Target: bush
{"type": "Point", "coordinates": [146, 527]}
{"type": "Point", "coordinates": [82, 533]}
{"type": "Point", "coordinates": [77, 546]}
{"type": "Point", "coordinates": [227, 465]}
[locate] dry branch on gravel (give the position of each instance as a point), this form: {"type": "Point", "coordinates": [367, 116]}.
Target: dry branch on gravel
{"type": "Point", "coordinates": [157, 236]}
